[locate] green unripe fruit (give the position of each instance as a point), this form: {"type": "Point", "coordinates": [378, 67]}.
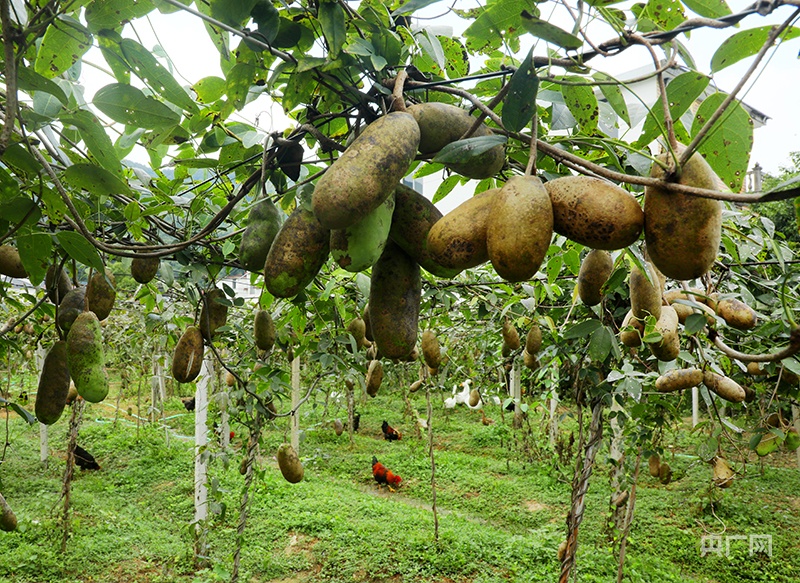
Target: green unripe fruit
{"type": "Point", "coordinates": [144, 269]}
{"type": "Point", "coordinates": [359, 246]}
{"type": "Point", "coordinates": [263, 224]}
{"type": "Point", "coordinates": [86, 359]}
{"type": "Point", "coordinates": [264, 330]}
{"type": "Point", "coordinates": [101, 293]}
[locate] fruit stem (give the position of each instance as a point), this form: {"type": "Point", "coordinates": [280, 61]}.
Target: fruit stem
{"type": "Point", "coordinates": [398, 101]}
{"type": "Point", "coordinates": [531, 168]}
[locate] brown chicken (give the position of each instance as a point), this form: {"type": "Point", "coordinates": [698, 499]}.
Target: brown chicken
{"type": "Point", "coordinates": [383, 475]}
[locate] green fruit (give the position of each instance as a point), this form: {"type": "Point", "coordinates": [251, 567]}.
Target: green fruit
{"type": "Point", "coordinates": [73, 304]}
{"type": "Point", "coordinates": [768, 444]}
{"type": "Point", "coordinates": [297, 254]}
{"type": "Point", "coordinates": [8, 520]}
{"type": "Point", "coordinates": [394, 299]}
{"type": "Point", "coordinates": [654, 465]}
{"type": "Point", "coordinates": [264, 330]}
{"type": "Point", "coordinates": [792, 441]}
{"type": "Point", "coordinates": [683, 232]}
{"type": "Point", "coordinates": [214, 313]}
{"type": "Point", "coordinates": [441, 124]}
{"type": "Point", "coordinates": [359, 246]}
{"type": "Point", "coordinates": [188, 357]}
{"type": "Point", "coordinates": [595, 270]}
{"type": "Point", "coordinates": [458, 239]}
{"type": "Point", "coordinates": [664, 473]}
{"type": "Point", "coordinates": [510, 335]}
{"type": "Point", "coordinates": [367, 172]}
{"type": "Point", "coordinates": [289, 464]}
{"type": "Point", "coordinates": [144, 269]}
{"type": "Point", "coordinates": [632, 337]}
{"type": "Point", "coordinates": [519, 228]}
{"type": "Point", "coordinates": [645, 293]}
{"type": "Point", "coordinates": [595, 212]}
{"type": "Point", "coordinates": [86, 359]}
{"type": "Point", "coordinates": [58, 286]}
{"type": "Point", "coordinates": [51, 396]}
{"type": "Point", "coordinates": [413, 217]}
{"type": "Point", "coordinates": [263, 224]}
{"type": "Point", "coordinates": [10, 263]}
{"type": "Point", "coordinates": [101, 293]}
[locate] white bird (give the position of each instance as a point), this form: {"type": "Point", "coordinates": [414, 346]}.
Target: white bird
{"type": "Point", "coordinates": [463, 395]}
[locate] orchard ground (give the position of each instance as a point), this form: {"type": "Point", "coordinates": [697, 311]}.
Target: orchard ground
{"type": "Point", "coordinates": [502, 498]}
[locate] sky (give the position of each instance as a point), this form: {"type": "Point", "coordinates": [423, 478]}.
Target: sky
{"type": "Point", "coordinates": [774, 92]}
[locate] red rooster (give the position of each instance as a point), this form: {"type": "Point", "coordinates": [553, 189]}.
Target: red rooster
{"type": "Point", "coordinates": [385, 476]}
{"type": "Point", "coordinates": [389, 432]}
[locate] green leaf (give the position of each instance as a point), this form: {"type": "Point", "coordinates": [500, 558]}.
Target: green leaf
{"type": "Point", "coordinates": [682, 92]}
{"type": "Point", "coordinates": [431, 46]}
{"type": "Point", "coordinates": [23, 412]}
{"type": "Point", "coordinates": [29, 80]}
{"type": "Point", "coordinates": [95, 180]}
{"type": "Point", "coordinates": [746, 44]}
{"type": "Point", "coordinates": [727, 146]}
{"type": "Point", "coordinates": [413, 6]}
{"type": "Point", "coordinates": [332, 20]}
{"type": "Point", "coordinates": [694, 323]}
{"type": "Point", "coordinates": [708, 8]}
{"type": "Point", "coordinates": [446, 187]}
{"type": "Point", "coordinates": [499, 22]}
{"type": "Point", "coordinates": [520, 103]}
{"type": "Point", "coordinates": [209, 89]}
{"type": "Point", "coordinates": [34, 248]}
{"type": "Point", "coordinates": [80, 249]}
{"type": "Point", "coordinates": [128, 105]}
{"type": "Point", "coordinates": [456, 59]}
{"type": "Point", "coordinates": [666, 14]}
{"type": "Point", "coordinates": [463, 151]}
{"type": "Point", "coordinates": [268, 21]}
{"type": "Point", "coordinates": [613, 95]}
{"type": "Point", "coordinates": [582, 104]}
{"type": "Point", "coordinates": [108, 41]}
{"type": "Point", "coordinates": [113, 14]}
{"type": "Point", "coordinates": [148, 69]}
{"type": "Point", "coordinates": [554, 268]}
{"type": "Point", "coordinates": [65, 41]}
{"type": "Point", "coordinates": [232, 12]}
{"type": "Point", "coordinates": [582, 329]}
{"type": "Point", "coordinates": [96, 139]}
{"type": "Point", "coordinates": [239, 81]}
{"type": "Point", "coordinates": [549, 33]}
{"type": "Point", "coordinates": [600, 344]}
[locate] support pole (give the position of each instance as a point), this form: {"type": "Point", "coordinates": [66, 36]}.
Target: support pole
{"type": "Point", "coordinates": [516, 393]}
{"type": "Point", "coordinates": [295, 401]}
{"type": "Point", "coordinates": [796, 417]}
{"type": "Point", "coordinates": [695, 406]}
{"type": "Point", "coordinates": [200, 466]}
{"type": "Point", "coordinates": [553, 429]}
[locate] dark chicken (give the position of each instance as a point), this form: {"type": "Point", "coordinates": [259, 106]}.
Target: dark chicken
{"type": "Point", "coordinates": [385, 476]}
{"type": "Point", "coordinates": [85, 460]}
{"type": "Point", "coordinates": [390, 433]}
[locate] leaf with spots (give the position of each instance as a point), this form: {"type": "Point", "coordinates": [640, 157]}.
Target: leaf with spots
{"type": "Point", "coordinates": [708, 8]}
{"type": "Point", "coordinates": [331, 18]}
{"type": "Point", "coordinates": [520, 103]}
{"type": "Point", "coordinates": [128, 105]}
{"type": "Point", "coordinates": [682, 91]}
{"type": "Point", "coordinates": [456, 58]}
{"type": "Point", "coordinates": [65, 41]}
{"type": "Point", "coordinates": [727, 146]}
{"type": "Point", "coordinates": [613, 95]}
{"type": "Point", "coordinates": [666, 14]}
{"type": "Point", "coordinates": [745, 44]}
{"type": "Point", "coordinates": [112, 14]}
{"type": "Point", "coordinates": [582, 104]}
{"type": "Point", "coordinates": [499, 22]}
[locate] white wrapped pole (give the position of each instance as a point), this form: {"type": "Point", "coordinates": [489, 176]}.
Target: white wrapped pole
{"type": "Point", "coordinates": [516, 392]}
{"type": "Point", "coordinates": [695, 406]}
{"type": "Point", "coordinates": [295, 400]}
{"type": "Point", "coordinates": [201, 440]}
{"type": "Point", "coordinates": [796, 417]}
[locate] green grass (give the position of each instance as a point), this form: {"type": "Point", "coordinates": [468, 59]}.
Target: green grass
{"type": "Point", "coordinates": [501, 517]}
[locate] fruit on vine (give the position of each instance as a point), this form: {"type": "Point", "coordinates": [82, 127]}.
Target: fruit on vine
{"type": "Point", "coordinates": [510, 335]}
{"type": "Point", "coordinates": [415, 386]}
{"type": "Point", "coordinates": [474, 398]}
{"type": "Point", "coordinates": [264, 330]}
{"type": "Point", "coordinates": [358, 328]}
{"type": "Point", "coordinates": [338, 426]}
{"type": "Point", "coordinates": [374, 377]}
{"type": "Point", "coordinates": [530, 360]}
{"type": "Point", "coordinates": [413, 217]}
{"type": "Point", "coordinates": [458, 239]}
{"type": "Point", "coordinates": [441, 124]}
{"type": "Point", "coordinates": [367, 324]}
{"type": "Point", "coordinates": [297, 254]}
{"type": "Point", "coordinates": [679, 379]}
{"type": "Point", "coordinates": [595, 270]}
{"type": "Point", "coordinates": [723, 386]}
{"type": "Point", "coordinates": [682, 232]}
{"type": "Point", "coordinates": [86, 359]}
{"type": "Point", "coordinates": [654, 465]}
{"type": "Point", "coordinates": [101, 293]}
{"type": "Point", "coordinates": [8, 520]}
{"type": "Point", "coordinates": [755, 369]}
{"type": "Point", "coordinates": [144, 269]}
{"type": "Point", "coordinates": [54, 382]}
{"type": "Point", "coordinates": [431, 351]}
{"type": "Point", "coordinates": [367, 172]}
{"type": "Point", "coordinates": [519, 228]}
{"type": "Point", "coordinates": [394, 299]}
{"type": "Point", "coordinates": [722, 472]}
{"type": "Point", "coordinates": [631, 331]}
{"type": "Point", "coordinates": [665, 473]}
{"type": "Point", "coordinates": [533, 340]}
{"type": "Point", "coordinates": [737, 314]}
{"type": "Point", "coordinates": [188, 356]}
{"type": "Point", "coordinates": [768, 444]}
{"type": "Point", "coordinates": [230, 379]}
{"type": "Point", "coordinates": [669, 346]}
{"type": "Point", "coordinates": [289, 464]}
{"type": "Point", "coordinates": [594, 212]}
{"type": "Point", "coordinates": [213, 314]}
{"type": "Point", "coordinates": [359, 246]}
{"type": "Point", "coordinates": [69, 308]}
{"type": "Point", "coordinates": [57, 283]}
{"type": "Point", "coordinates": [792, 441]}
{"type": "Point", "coordinates": [10, 262]}
{"type": "Point", "coordinates": [645, 293]}
{"type": "Point", "coordinates": [263, 223]}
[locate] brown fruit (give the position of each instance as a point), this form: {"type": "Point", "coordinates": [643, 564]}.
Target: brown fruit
{"type": "Point", "coordinates": [338, 426]}
{"type": "Point", "coordinates": [510, 335]}
{"type": "Point", "coordinates": [289, 464]}
{"type": "Point", "coordinates": [144, 269]}
{"type": "Point", "coordinates": [679, 379]}
{"type": "Point", "coordinates": [367, 324]}
{"type": "Point", "coordinates": [670, 345]}
{"type": "Point", "coordinates": [645, 294]}
{"type": "Point", "coordinates": [101, 293]}
{"type": "Point", "coordinates": [530, 360]}
{"type": "Point", "coordinates": [519, 228]}
{"type": "Point", "coordinates": [414, 386]}
{"type": "Point", "coordinates": [754, 368]}
{"type": "Point", "coordinates": [458, 239]}
{"type": "Point", "coordinates": [54, 385]}
{"type": "Point", "coordinates": [595, 212]}
{"type": "Point", "coordinates": [188, 357]}
{"type": "Point", "coordinates": [683, 232]}
{"type": "Point", "coordinates": [213, 314]}
{"type": "Point", "coordinates": [723, 474]}
{"type": "Point", "coordinates": [230, 380]}
{"type": "Point", "coordinates": [533, 340]}
{"type": "Point", "coordinates": [665, 473]}
{"type": "Point", "coordinates": [10, 263]}
{"type": "Point", "coordinates": [474, 398]}
{"type": "Point", "coordinates": [726, 388]}
{"type": "Point", "coordinates": [374, 377]}
{"type": "Point", "coordinates": [8, 520]}
{"type": "Point", "coordinates": [57, 285]}
{"type": "Point", "coordinates": [69, 308]}
{"type": "Point", "coordinates": [264, 330]}
{"type": "Point", "coordinates": [737, 314]}
{"type": "Point", "coordinates": [358, 328]}
{"type": "Point", "coordinates": [654, 465]}
{"type": "Point", "coordinates": [595, 270]}
{"type": "Point", "coordinates": [430, 350]}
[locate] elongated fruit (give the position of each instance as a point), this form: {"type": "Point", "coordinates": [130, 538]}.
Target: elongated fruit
{"type": "Point", "coordinates": [289, 464]}
{"type": "Point", "coordinates": [264, 330]}
{"type": "Point", "coordinates": [86, 359]}
{"type": "Point", "coordinates": [101, 293]}
{"type": "Point", "coordinates": [188, 357]}
{"type": "Point", "coordinates": [263, 223]}
{"type": "Point", "coordinates": [359, 246]}
{"type": "Point", "coordinates": [213, 314]}
{"type": "Point", "coordinates": [51, 396]}
{"type": "Point", "coordinates": [595, 270]}
{"type": "Point", "coordinates": [458, 239]}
